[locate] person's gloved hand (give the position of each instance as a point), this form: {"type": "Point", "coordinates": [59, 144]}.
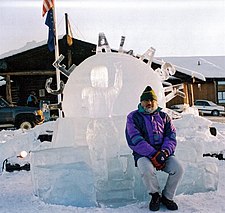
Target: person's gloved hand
{"type": "Point", "coordinates": [158, 160]}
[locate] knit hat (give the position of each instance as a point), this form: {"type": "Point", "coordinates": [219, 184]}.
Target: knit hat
{"type": "Point", "coordinates": [148, 94]}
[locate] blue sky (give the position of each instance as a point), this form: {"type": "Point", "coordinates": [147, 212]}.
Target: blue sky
{"type": "Point", "coordinates": [172, 27]}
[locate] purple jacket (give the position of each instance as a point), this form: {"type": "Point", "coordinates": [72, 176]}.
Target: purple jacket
{"type": "Point", "coordinates": [148, 133]}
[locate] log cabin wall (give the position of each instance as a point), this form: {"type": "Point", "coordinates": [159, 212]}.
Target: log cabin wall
{"type": "Point", "coordinates": [28, 71]}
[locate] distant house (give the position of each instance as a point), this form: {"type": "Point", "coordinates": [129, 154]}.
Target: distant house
{"type": "Point", "coordinates": [212, 67]}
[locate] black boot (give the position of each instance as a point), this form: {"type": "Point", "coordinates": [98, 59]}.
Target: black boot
{"type": "Point", "coordinates": [155, 201]}
{"type": "Point", "coordinates": [170, 204]}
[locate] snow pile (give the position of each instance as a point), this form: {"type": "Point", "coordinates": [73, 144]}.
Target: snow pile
{"type": "Point", "coordinates": [194, 140]}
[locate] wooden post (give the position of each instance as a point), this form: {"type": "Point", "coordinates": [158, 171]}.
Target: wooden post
{"type": "Point", "coordinates": [216, 99]}
{"type": "Point", "coordinates": [186, 99]}
{"type": "Point", "coordinates": [192, 91]}
{"type": "Point", "coordinates": [69, 52]}
{"type": "Point", "coordinates": [8, 89]}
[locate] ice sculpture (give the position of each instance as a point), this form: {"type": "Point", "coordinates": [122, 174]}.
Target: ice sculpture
{"type": "Point", "coordinates": [89, 162]}
{"type": "Point", "coordinates": [99, 98]}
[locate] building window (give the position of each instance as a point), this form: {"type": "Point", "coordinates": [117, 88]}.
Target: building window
{"type": "Point", "coordinates": [221, 92]}
{"type": "Point", "coordinates": [221, 97]}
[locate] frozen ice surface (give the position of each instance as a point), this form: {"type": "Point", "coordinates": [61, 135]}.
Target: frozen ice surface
{"type": "Point", "coordinates": [89, 162]}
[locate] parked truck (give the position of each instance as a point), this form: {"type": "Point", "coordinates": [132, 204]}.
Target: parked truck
{"type": "Point", "coordinates": [19, 116]}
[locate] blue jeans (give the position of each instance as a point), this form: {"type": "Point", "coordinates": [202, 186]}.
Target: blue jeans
{"type": "Point", "coordinates": [148, 173]}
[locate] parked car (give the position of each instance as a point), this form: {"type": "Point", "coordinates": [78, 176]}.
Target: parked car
{"type": "Point", "coordinates": [19, 116]}
{"type": "Point", "coordinates": [207, 107]}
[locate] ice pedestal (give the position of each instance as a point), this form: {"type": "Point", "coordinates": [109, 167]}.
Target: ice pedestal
{"type": "Point", "coordinates": [63, 176]}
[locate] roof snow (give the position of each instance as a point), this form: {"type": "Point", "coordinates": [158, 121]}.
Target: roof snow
{"type": "Point", "coordinates": [198, 66]}
{"type": "Point", "coordinates": [27, 46]}
{"type": "Point", "coordinates": [209, 66]}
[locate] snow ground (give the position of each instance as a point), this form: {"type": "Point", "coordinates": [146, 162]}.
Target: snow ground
{"type": "Point", "coordinates": [17, 194]}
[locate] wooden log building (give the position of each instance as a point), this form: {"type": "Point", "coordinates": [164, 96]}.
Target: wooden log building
{"type": "Point", "coordinates": [28, 71]}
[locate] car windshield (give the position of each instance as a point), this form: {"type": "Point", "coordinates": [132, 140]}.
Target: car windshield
{"type": "Point", "coordinates": [211, 103]}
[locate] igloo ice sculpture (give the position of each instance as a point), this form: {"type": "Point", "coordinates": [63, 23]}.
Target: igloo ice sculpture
{"type": "Point", "coordinates": [89, 162]}
{"type": "Point", "coordinates": [96, 102]}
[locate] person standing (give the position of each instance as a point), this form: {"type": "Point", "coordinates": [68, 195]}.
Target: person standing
{"type": "Point", "coordinates": [152, 137]}
{"type": "Point", "coordinates": [32, 100]}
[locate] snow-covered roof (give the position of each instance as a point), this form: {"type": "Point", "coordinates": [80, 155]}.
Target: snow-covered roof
{"type": "Point", "coordinates": [27, 46]}
{"type": "Point", "coordinates": [189, 72]}
{"type": "Point", "coordinates": [209, 66]}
